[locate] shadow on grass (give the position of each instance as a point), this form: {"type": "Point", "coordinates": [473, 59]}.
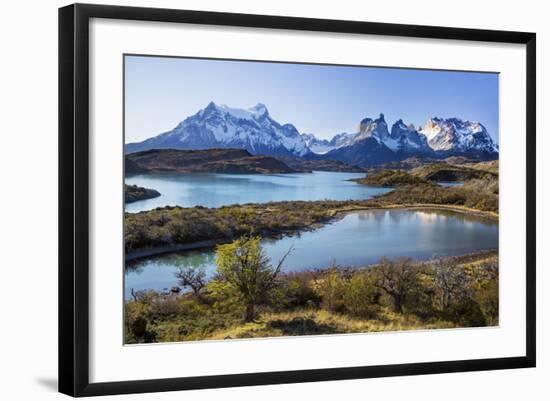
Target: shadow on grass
{"type": "Point", "coordinates": [303, 326]}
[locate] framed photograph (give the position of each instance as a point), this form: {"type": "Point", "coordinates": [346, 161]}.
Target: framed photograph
{"type": "Point", "coordinates": [250, 199]}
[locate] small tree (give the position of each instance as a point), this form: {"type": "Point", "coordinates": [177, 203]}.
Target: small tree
{"type": "Point", "coordinates": [398, 279]}
{"type": "Point", "coordinates": [452, 282]}
{"type": "Point", "coordinates": [192, 277]}
{"type": "Point", "coordinates": [331, 287]}
{"type": "Point", "coordinates": [244, 264]}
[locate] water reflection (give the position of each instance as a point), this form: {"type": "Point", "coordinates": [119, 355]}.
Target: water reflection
{"type": "Point", "coordinates": [358, 239]}
{"type": "Point", "coordinates": [195, 259]}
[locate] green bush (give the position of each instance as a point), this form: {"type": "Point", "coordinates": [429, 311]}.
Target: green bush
{"type": "Point", "coordinates": [466, 313]}
{"type": "Point", "coordinates": [294, 291]}
{"type": "Point", "coordinates": [136, 323]}
{"type": "Point", "coordinates": [331, 290]}
{"type": "Point", "coordinates": [361, 296]}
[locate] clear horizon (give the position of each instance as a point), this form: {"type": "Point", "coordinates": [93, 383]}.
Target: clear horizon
{"type": "Point", "coordinates": [321, 99]}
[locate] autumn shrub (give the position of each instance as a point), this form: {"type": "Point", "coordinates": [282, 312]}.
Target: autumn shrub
{"type": "Point", "coordinates": [224, 298]}
{"type": "Point", "coordinates": [486, 290]}
{"type": "Point", "coordinates": [330, 288]}
{"type": "Point", "coordinates": [162, 308]}
{"type": "Point", "coordinates": [294, 291]}
{"type": "Point", "coordinates": [136, 323]}
{"type": "Point", "coordinates": [361, 296]}
{"type": "Point", "coordinates": [466, 313]}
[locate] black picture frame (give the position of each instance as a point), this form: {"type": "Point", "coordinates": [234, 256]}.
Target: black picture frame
{"type": "Point", "coordinates": [74, 200]}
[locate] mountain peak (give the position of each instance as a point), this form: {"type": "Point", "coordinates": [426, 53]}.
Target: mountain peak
{"type": "Point", "coordinates": [377, 129]}
{"type": "Point", "coordinates": [211, 107]}
{"type": "Point", "coordinates": [435, 120]}
{"type": "Point", "coordinates": [260, 109]}
{"type": "Point", "coordinates": [406, 139]}
{"type": "Point", "coordinates": [259, 106]}
{"type": "Point", "coordinates": [456, 134]}
{"type": "Point", "coordinates": [223, 126]}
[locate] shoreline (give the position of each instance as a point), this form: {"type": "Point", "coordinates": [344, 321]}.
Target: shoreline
{"type": "Point", "coordinates": [425, 206]}
{"type": "Point", "coordinates": [159, 250]}
{"type": "Point", "coordinates": [333, 214]}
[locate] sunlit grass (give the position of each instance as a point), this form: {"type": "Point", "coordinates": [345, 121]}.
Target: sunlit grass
{"type": "Point", "coordinates": [308, 322]}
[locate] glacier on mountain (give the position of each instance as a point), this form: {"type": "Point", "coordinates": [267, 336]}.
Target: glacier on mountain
{"type": "Point", "coordinates": [253, 129]}
{"type": "Point", "coordinates": [221, 126]}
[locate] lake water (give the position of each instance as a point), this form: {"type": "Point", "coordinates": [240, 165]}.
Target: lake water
{"type": "Point", "coordinates": [358, 239]}
{"type": "Point", "coordinates": [450, 183]}
{"type": "Point", "coordinates": [215, 190]}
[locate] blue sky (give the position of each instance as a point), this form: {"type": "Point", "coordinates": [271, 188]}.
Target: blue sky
{"type": "Point", "coordinates": [324, 100]}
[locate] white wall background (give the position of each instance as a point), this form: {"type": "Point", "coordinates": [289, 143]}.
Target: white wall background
{"type": "Point", "coordinates": [28, 202]}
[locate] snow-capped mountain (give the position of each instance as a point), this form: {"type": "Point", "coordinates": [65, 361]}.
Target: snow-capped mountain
{"type": "Point", "coordinates": [221, 126]}
{"type": "Point", "coordinates": [377, 129]}
{"type": "Point", "coordinates": [371, 145]}
{"type": "Point", "coordinates": [402, 138]}
{"type": "Point", "coordinates": [322, 146]}
{"type": "Point", "coordinates": [253, 129]}
{"type": "Point", "coordinates": [374, 144]}
{"type": "Point", "coordinates": [342, 139]}
{"type": "Point", "coordinates": [363, 152]}
{"type": "Point", "coordinates": [406, 139]}
{"type": "Point", "coordinates": [454, 135]}
{"type": "Point", "coordinates": [316, 145]}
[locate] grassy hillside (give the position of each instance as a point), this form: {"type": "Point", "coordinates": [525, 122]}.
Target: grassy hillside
{"type": "Point", "coordinates": [450, 172]}
{"type": "Point", "coordinates": [208, 160]}
{"type": "Point", "coordinates": [489, 166]}
{"type": "Point", "coordinates": [246, 165]}
{"type": "Point", "coordinates": [390, 178]}
{"type": "Point", "coordinates": [425, 172]}
{"type": "Point", "coordinates": [320, 165]}
{"type": "Point", "coordinates": [131, 167]}
{"type": "Point", "coordinates": [418, 161]}
{"type": "Point", "coordinates": [479, 194]}
{"type": "Point", "coordinates": [479, 189]}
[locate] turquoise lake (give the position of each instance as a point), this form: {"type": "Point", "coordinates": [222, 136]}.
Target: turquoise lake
{"type": "Point", "coordinates": [215, 190]}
